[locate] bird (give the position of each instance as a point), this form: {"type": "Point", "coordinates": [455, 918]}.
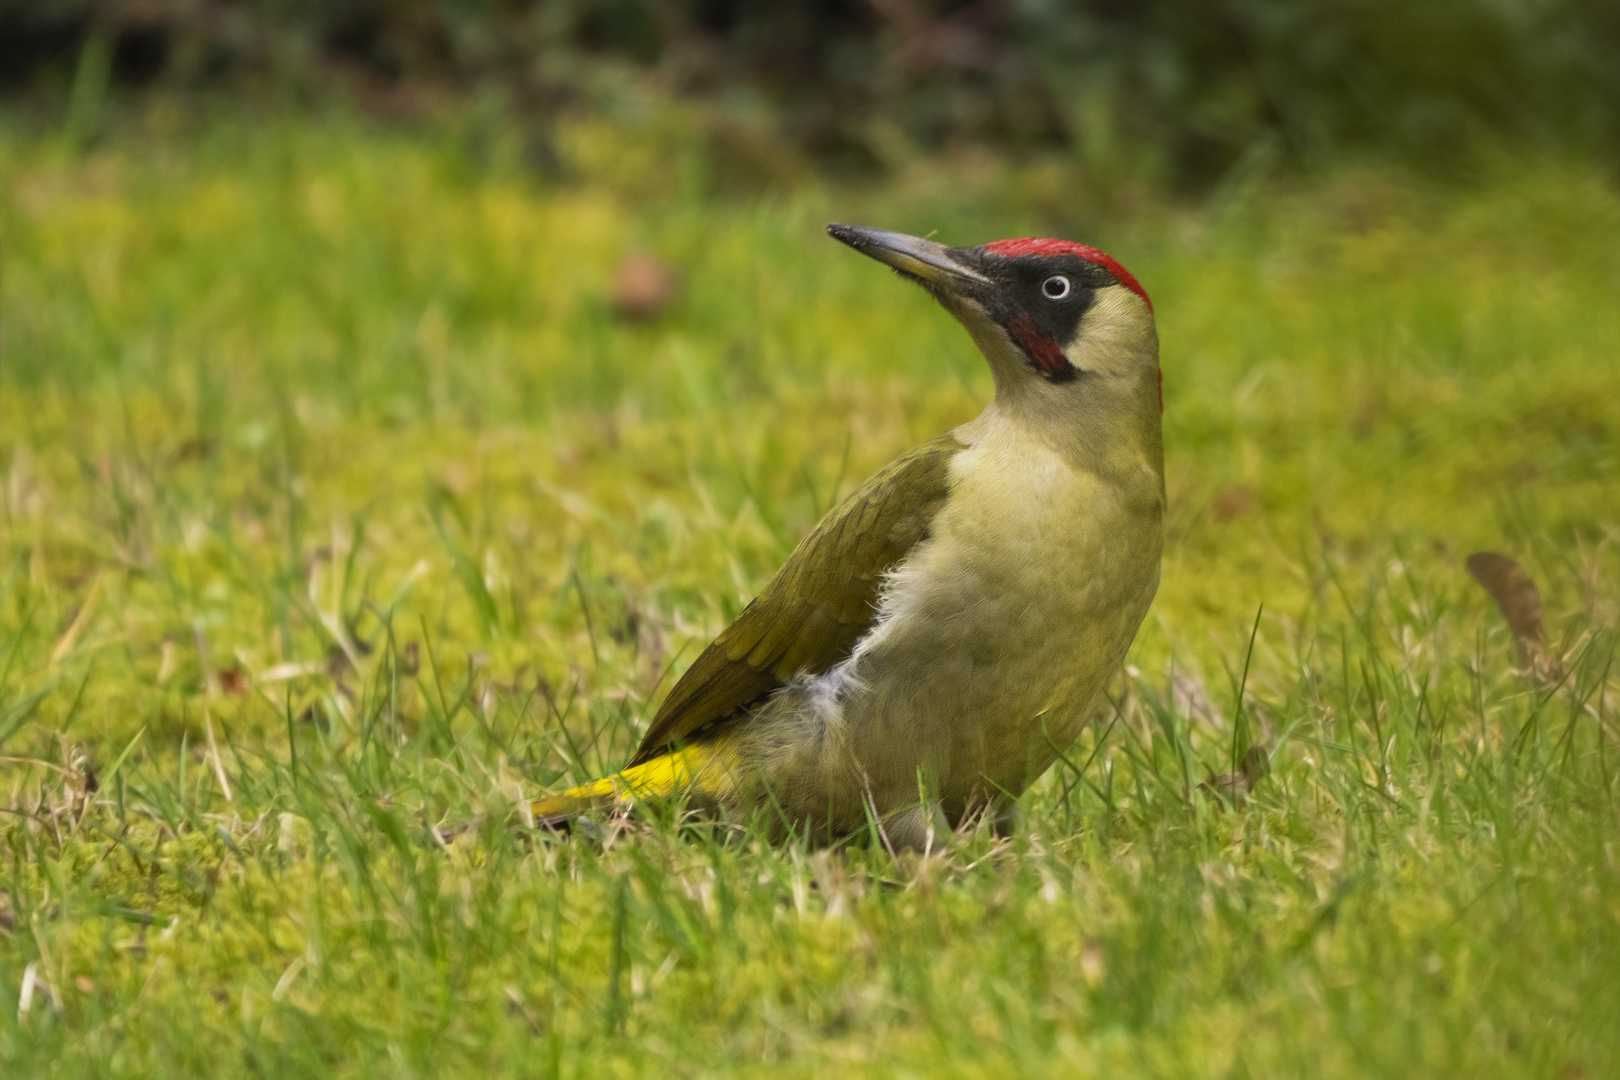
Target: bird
{"type": "Point", "coordinates": [940, 637]}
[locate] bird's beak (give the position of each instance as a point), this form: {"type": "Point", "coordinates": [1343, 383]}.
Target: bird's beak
{"type": "Point", "coordinates": [925, 260]}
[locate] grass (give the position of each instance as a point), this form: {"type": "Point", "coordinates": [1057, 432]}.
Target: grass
{"type": "Point", "coordinates": [340, 516]}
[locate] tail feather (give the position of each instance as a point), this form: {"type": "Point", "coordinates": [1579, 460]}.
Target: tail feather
{"type": "Point", "coordinates": [689, 770]}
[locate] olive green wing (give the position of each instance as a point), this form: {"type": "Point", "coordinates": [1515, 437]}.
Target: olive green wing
{"type": "Point", "coordinates": [818, 605]}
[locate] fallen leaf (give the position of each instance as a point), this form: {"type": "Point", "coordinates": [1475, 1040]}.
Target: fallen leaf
{"type": "Point", "coordinates": [1256, 766]}
{"type": "Point", "coordinates": [204, 446]}
{"type": "Point", "coordinates": [232, 681]}
{"type": "Point", "coordinates": [642, 288]}
{"type": "Point", "coordinates": [1232, 502]}
{"type": "Point", "coordinates": [1520, 603]}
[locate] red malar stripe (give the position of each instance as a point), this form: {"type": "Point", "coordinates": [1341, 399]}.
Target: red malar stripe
{"type": "Point", "coordinates": [1031, 245]}
{"type": "Point", "coordinates": [1041, 350]}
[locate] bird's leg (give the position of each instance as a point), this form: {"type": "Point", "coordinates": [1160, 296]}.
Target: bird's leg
{"type": "Point", "coordinates": [922, 828]}
{"type": "Point", "coordinates": [1000, 808]}
{"type": "Point", "coordinates": [1005, 817]}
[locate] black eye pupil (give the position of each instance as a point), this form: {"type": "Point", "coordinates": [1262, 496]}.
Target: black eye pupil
{"type": "Point", "coordinates": [1055, 288]}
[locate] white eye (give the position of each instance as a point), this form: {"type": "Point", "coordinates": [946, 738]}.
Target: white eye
{"type": "Point", "coordinates": [1055, 287]}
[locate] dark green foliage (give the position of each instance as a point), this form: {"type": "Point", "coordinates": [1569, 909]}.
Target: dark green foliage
{"type": "Point", "coordinates": [1161, 89]}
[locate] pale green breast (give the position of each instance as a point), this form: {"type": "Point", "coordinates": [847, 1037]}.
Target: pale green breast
{"type": "Point", "coordinates": [1014, 613]}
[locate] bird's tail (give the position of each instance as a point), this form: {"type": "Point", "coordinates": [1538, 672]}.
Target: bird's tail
{"type": "Point", "coordinates": [690, 770]}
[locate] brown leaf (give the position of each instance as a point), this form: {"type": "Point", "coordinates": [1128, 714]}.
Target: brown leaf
{"type": "Point", "coordinates": [1520, 602]}
{"type": "Point", "coordinates": [203, 446]}
{"type": "Point", "coordinates": [642, 288]}
{"type": "Point", "coordinates": [1256, 766]}
{"type": "Point", "coordinates": [232, 681]}
{"type": "Point", "coordinates": [1232, 502]}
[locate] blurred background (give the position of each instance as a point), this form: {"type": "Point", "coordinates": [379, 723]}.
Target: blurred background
{"type": "Point", "coordinates": [1173, 93]}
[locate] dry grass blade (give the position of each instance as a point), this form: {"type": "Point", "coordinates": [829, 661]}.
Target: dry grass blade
{"type": "Point", "coordinates": [1520, 602]}
{"type": "Point", "coordinates": [65, 644]}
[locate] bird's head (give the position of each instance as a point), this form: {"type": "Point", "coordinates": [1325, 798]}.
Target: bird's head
{"type": "Point", "coordinates": [1059, 322]}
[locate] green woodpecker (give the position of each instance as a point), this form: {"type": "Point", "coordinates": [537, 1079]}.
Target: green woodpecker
{"type": "Point", "coordinates": [940, 636]}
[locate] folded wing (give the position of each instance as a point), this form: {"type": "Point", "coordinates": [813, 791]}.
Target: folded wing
{"type": "Point", "coordinates": [822, 601]}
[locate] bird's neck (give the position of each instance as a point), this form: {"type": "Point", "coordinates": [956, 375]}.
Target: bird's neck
{"type": "Point", "coordinates": [1105, 421]}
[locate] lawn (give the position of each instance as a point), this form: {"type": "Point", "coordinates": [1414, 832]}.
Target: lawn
{"type": "Point", "coordinates": [340, 515]}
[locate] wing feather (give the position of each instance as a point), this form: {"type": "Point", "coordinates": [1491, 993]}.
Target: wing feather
{"type": "Point", "coordinates": [819, 604]}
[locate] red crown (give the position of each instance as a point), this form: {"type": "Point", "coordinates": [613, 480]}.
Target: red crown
{"type": "Point", "coordinates": [1031, 245]}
